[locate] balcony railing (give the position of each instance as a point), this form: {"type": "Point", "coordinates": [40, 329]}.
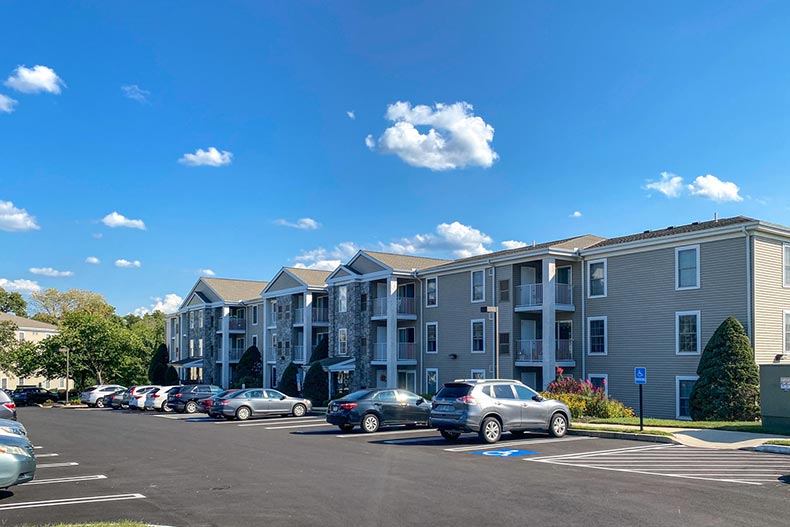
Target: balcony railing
{"type": "Point", "coordinates": [235, 353]}
{"type": "Point", "coordinates": [237, 324]}
{"type": "Point", "coordinates": [298, 353]}
{"type": "Point", "coordinates": [380, 307]}
{"type": "Point", "coordinates": [530, 295]}
{"type": "Point", "coordinates": [529, 351]}
{"type": "Point", "coordinates": [564, 350]}
{"type": "Point", "coordinates": [406, 306]}
{"type": "Point", "coordinates": [299, 315]}
{"type": "Point", "coordinates": [320, 314]}
{"type": "Point", "coordinates": [380, 351]}
{"type": "Point", "coordinates": [406, 351]}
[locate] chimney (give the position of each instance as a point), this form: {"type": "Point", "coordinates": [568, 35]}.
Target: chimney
{"type": "Point", "coordinates": [533, 243]}
{"type": "Point", "coordinates": [716, 217]}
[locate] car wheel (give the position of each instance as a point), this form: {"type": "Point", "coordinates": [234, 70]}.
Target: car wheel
{"type": "Point", "coordinates": [243, 413]}
{"type": "Point", "coordinates": [166, 408]}
{"type": "Point", "coordinates": [99, 403]}
{"type": "Point", "coordinates": [299, 410]}
{"type": "Point", "coordinates": [450, 436]}
{"type": "Point", "coordinates": [558, 426]}
{"type": "Point", "coordinates": [370, 423]}
{"type": "Point", "coordinates": [190, 407]}
{"type": "Point", "coordinates": [490, 430]}
{"type": "Point", "coordinates": [346, 427]}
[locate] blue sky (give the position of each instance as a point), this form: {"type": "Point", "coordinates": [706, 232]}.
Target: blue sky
{"type": "Point", "coordinates": [540, 110]}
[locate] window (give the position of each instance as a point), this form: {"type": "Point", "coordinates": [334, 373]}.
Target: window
{"type": "Point", "coordinates": [687, 334]}
{"type": "Point", "coordinates": [504, 290]}
{"type": "Point", "coordinates": [432, 292]}
{"type": "Point", "coordinates": [255, 340]}
{"type": "Point", "coordinates": [191, 348]}
{"type": "Point", "coordinates": [431, 380]}
{"type": "Point", "coordinates": [200, 319]}
{"type": "Point", "coordinates": [596, 329]}
{"type": "Point", "coordinates": [47, 384]}
{"type": "Point", "coordinates": [687, 267]}
{"type": "Point", "coordinates": [61, 383]}
{"type": "Point", "coordinates": [363, 302]}
{"type": "Point", "coordinates": [342, 298]}
{"type": "Point", "coordinates": [478, 286]}
{"type": "Point", "coordinates": [255, 315]}
{"type": "Point", "coordinates": [191, 320]}
{"type": "Point", "coordinates": [478, 374]}
{"type": "Point", "coordinates": [4, 383]}
{"type": "Point", "coordinates": [786, 346]}
{"type": "Point", "coordinates": [200, 347]}
{"type": "Point", "coordinates": [504, 343]}
{"type": "Point", "coordinates": [21, 336]}
{"type": "Point", "coordinates": [596, 272]}
{"type": "Point", "coordinates": [432, 337]}
{"type": "Point", "coordinates": [787, 265]}
{"type": "Point", "coordinates": [503, 391]}
{"type": "Point", "coordinates": [273, 313]}
{"type": "Point", "coordinates": [342, 342]}
{"type": "Point", "coordinates": [599, 381]}
{"type": "Point", "coordinates": [478, 336]}
{"type": "Point", "coordinates": [683, 387]}
{"type": "Point", "coordinates": [523, 393]}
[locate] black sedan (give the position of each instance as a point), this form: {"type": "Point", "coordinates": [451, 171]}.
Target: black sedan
{"type": "Point", "coordinates": [371, 409]}
{"type": "Point", "coordinates": [32, 395]}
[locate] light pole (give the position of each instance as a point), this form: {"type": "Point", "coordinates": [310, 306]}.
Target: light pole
{"type": "Point", "coordinates": [495, 311]}
{"type": "Point", "coordinates": [68, 357]}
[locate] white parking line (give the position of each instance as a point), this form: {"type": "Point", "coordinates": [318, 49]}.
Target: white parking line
{"type": "Point", "coordinates": [65, 480]}
{"type": "Point", "coordinates": [38, 447]}
{"type": "Point", "coordinates": [292, 426]}
{"type": "Point", "coordinates": [393, 432]}
{"type": "Point", "coordinates": [283, 421]}
{"type": "Point", "coordinates": [46, 455]}
{"type": "Point", "coordinates": [269, 420]}
{"type": "Point", "coordinates": [506, 444]}
{"type": "Point", "coordinates": [56, 465]}
{"type": "Point", "coordinates": [69, 501]}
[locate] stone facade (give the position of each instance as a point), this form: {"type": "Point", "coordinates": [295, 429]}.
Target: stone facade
{"type": "Point", "coordinates": [358, 327]}
{"type": "Point", "coordinates": [284, 332]}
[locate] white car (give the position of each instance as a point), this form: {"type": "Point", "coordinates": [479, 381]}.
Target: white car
{"type": "Point", "coordinates": [93, 395]}
{"type": "Point", "coordinates": [157, 399]}
{"type": "Point", "coordinates": [137, 400]}
{"type": "Point", "coordinates": [9, 427]}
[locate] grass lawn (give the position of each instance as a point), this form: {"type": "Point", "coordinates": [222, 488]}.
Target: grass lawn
{"type": "Point", "coordinates": [622, 430]}
{"type": "Point", "coordinates": [780, 442]}
{"type": "Point", "coordinates": [100, 524]}
{"type": "Point", "coordinates": [755, 427]}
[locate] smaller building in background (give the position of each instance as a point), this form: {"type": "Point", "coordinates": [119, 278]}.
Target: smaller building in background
{"type": "Point", "coordinates": [29, 330]}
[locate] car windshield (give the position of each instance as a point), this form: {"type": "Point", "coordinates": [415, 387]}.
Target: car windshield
{"type": "Point", "coordinates": [356, 396]}
{"type": "Point", "coordinates": [453, 391]}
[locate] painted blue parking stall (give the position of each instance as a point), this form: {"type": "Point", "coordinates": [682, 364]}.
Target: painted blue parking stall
{"type": "Point", "coordinates": [508, 453]}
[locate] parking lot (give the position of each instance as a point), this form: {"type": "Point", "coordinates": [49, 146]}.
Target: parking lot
{"type": "Point", "coordinates": [179, 470]}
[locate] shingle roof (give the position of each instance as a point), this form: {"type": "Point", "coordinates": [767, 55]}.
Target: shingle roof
{"type": "Point", "coordinates": [673, 230]}
{"type": "Point", "coordinates": [27, 323]}
{"type": "Point", "coordinates": [236, 290]}
{"type": "Point", "coordinates": [312, 277]}
{"type": "Point", "coordinates": [405, 262]}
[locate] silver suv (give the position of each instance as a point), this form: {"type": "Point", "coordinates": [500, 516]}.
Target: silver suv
{"type": "Point", "coordinates": [492, 406]}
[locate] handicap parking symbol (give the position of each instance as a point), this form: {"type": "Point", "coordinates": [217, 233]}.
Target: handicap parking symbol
{"type": "Point", "coordinates": [504, 453]}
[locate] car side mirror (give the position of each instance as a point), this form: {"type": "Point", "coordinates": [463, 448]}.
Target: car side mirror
{"type": "Point", "coordinates": [420, 401]}
{"type": "Point", "coordinates": [282, 397]}
{"type": "Point", "coordinates": [538, 398]}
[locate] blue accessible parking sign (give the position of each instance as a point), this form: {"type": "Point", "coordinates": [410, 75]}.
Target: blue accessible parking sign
{"type": "Point", "coordinates": [505, 453]}
{"type": "Point", "coordinates": [640, 375]}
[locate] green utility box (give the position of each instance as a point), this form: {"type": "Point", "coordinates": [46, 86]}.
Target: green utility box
{"type": "Point", "coordinates": [775, 396]}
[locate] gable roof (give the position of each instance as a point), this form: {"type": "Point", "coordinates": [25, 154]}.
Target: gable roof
{"type": "Point", "coordinates": [674, 230]}
{"type": "Point", "coordinates": [404, 262]}
{"type": "Point", "coordinates": [230, 290]}
{"type": "Point", "coordinates": [27, 323]}
{"type": "Point", "coordinates": [310, 277]}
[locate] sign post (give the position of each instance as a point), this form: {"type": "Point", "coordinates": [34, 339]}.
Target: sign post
{"type": "Point", "coordinates": [640, 379]}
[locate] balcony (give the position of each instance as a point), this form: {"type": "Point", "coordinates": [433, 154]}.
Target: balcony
{"type": "Point", "coordinates": [271, 320]}
{"type": "Point", "coordinates": [234, 354]}
{"type": "Point", "coordinates": [379, 307]}
{"type": "Point", "coordinates": [407, 352]}
{"type": "Point", "coordinates": [299, 354]}
{"type": "Point", "coordinates": [237, 324]}
{"type": "Point", "coordinates": [531, 351]}
{"type": "Point", "coordinates": [529, 297]}
{"type": "Point", "coordinates": [320, 315]}
{"type": "Point", "coordinates": [298, 316]}
{"type": "Point", "coordinates": [564, 350]}
{"type": "Point", "coordinates": [380, 352]}
{"type": "Point", "coordinates": [407, 307]}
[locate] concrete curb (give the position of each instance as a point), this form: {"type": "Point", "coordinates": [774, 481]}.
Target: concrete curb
{"type": "Point", "coordinates": [624, 435]}
{"type": "Point", "coordinates": [773, 449]}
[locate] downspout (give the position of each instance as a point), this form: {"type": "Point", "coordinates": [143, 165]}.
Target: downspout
{"type": "Point", "coordinates": [494, 325]}
{"type": "Point", "coordinates": [749, 330]}
{"type": "Point", "coordinates": [584, 322]}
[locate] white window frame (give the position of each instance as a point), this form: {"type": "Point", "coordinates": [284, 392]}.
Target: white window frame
{"type": "Point", "coordinates": [342, 299]}
{"type": "Point", "coordinates": [436, 329]}
{"type": "Point", "coordinates": [200, 347]}
{"type": "Point", "coordinates": [785, 336]}
{"type": "Point", "coordinates": [605, 337]}
{"type": "Point", "coordinates": [679, 378]}
{"type": "Point", "coordinates": [344, 333]}
{"type": "Point", "coordinates": [677, 267]}
{"type": "Point", "coordinates": [438, 385]}
{"type": "Point", "coordinates": [254, 315]}
{"type": "Point", "coordinates": [604, 376]}
{"type": "Point", "coordinates": [481, 371]}
{"type": "Point", "coordinates": [436, 289]}
{"type": "Point", "coordinates": [472, 286]}
{"type": "Point", "coordinates": [255, 340]}
{"type": "Point", "coordinates": [200, 318]}
{"type": "Point", "coordinates": [785, 264]}
{"type": "Point", "coordinates": [472, 335]}
{"type": "Point", "coordinates": [191, 347]}
{"type": "Point", "coordinates": [679, 314]}
{"type": "Point", "coordinates": [605, 278]}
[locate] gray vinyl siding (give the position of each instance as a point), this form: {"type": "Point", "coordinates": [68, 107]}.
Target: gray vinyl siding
{"type": "Point", "coordinates": [640, 310]}
{"type": "Point", "coordinates": [364, 265]}
{"type": "Point", "coordinates": [506, 362]}
{"type": "Point", "coordinates": [771, 299]}
{"type": "Point", "coordinates": [284, 281]}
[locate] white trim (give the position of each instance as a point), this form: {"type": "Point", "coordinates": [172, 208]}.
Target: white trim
{"type": "Point", "coordinates": [436, 278]}
{"type": "Point", "coordinates": [472, 334]}
{"type": "Point", "coordinates": [477, 370]}
{"type": "Point", "coordinates": [785, 263]}
{"type": "Point", "coordinates": [605, 337]}
{"type": "Point", "coordinates": [342, 331]}
{"type": "Point", "coordinates": [677, 267]}
{"type": "Point", "coordinates": [605, 277]}
{"type": "Point", "coordinates": [438, 384]}
{"type": "Point", "coordinates": [342, 297]}
{"type": "Point", "coordinates": [679, 314]}
{"type": "Point", "coordinates": [679, 378]}
{"type": "Point", "coordinates": [435, 325]}
{"type": "Point", "coordinates": [785, 314]}
{"type": "Point", "coordinates": [604, 376]}
{"type": "Point", "coordinates": [472, 285]}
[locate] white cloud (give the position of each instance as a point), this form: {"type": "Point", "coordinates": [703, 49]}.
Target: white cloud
{"type": "Point", "coordinates": [206, 272]}
{"type": "Point", "coordinates": [35, 80]}
{"type": "Point", "coordinates": [114, 219]}
{"type": "Point", "coordinates": [7, 104]}
{"type": "Point", "coordinates": [136, 93]}
{"type": "Point", "coordinates": [168, 304]}
{"type": "Point", "coordinates": [459, 239]}
{"type": "Point", "coordinates": [13, 219]}
{"type": "Point", "coordinates": [211, 157]}
{"type": "Point", "coordinates": [513, 244]}
{"type": "Point", "coordinates": [456, 138]}
{"type": "Point", "coordinates": [576, 214]}
{"type": "Point", "coordinates": [307, 224]}
{"type": "Point", "coordinates": [126, 263]}
{"type": "Point", "coordinates": [49, 271]}
{"type": "Point", "coordinates": [351, 114]}
{"type": "Point", "coordinates": [20, 286]}
{"type": "Point", "coordinates": [670, 185]}
{"type": "Point", "coordinates": [92, 260]}
{"type": "Point", "coordinates": [713, 188]}
{"type": "Point", "coordinates": [326, 259]}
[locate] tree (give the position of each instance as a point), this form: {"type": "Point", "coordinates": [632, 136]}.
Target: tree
{"type": "Point", "coordinates": [158, 366]}
{"type": "Point", "coordinates": [321, 350]}
{"type": "Point", "coordinates": [288, 384]}
{"type": "Point", "coordinates": [249, 371]}
{"type": "Point", "coordinates": [54, 304]}
{"type": "Point", "coordinates": [150, 328]}
{"type": "Point", "coordinates": [12, 302]}
{"type": "Point", "coordinates": [7, 336]}
{"type": "Point", "coordinates": [171, 376]}
{"type": "Point", "coordinates": [21, 360]}
{"type": "Point", "coordinates": [316, 385]}
{"type": "Point", "coordinates": [728, 387]}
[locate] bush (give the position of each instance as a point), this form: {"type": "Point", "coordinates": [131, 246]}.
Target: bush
{"type": "Point", "coordinates": [321, 350]}
{"type": "Point", "coordinates": [288, 384]}
{"type": "Point", "coordinates": [158, 366]}
{"type": "Point", "coordinates": [249, 372]}
{"type": "Point", "coordinates": [584, 399]}
{"type": "Point", "coordinates": [171, 376]}
{"type": "Point", "coordinates": [316, 385]}
{"type": "Point", "coordinates": [728, 387]}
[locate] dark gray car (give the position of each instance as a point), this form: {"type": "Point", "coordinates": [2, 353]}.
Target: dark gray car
{"type": "Point", "coordinates": [492, 406]}
{"type": "Point", "coordinates": [257, 402]}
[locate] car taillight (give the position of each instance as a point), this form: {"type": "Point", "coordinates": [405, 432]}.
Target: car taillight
{"type": "Point", "coordinates": [138, 396]}
{"type": "Point", "coordinates": [467, 399]}
{"type": "Point", "coordinates": [224, 401]}
{"type": "Point", "coordinates": [177, 396]}
{"type": "Point", "coordinates": [154, 396]}
{"type": "Point", "coordinates": [348, 406]}
{"type": "Point", "coordinates": [10, 405]}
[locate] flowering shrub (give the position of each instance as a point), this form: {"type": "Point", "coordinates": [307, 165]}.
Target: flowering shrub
{"type": "Point", "coordinates": [584, 399]}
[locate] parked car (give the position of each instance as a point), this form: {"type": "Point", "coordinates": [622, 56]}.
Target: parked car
{"type": "Point", "coordinates": [137, 399]}
{"type": "Point", "coordinates": [94, 396]}
{"type": "Point", "coordinates": [186, 397]}
{"type": "Point", "coordinates": [7, 407]}
{"type": "Point", "coordinates": [257, 402]}
{"type": "Point", "coordinates": [106, 401]}
{"type": "Point", "coordinates": [33, 395]}
{"type": "Point", "coordinates": [17, 461]}
{"type": "Point", "coordinates": [121, 400]}
{"type": "Point", "coordinates": [7, 426]}
{"type": "Point", "coordinates": [372, 409]}
{"type": "Point", "coordinates": [492, 406]}
{"type": "Point", "coordinates": [208, 404]}
{"type": "Point", "coordinates": [156, 399]}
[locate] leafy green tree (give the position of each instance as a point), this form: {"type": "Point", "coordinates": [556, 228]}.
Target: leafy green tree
{"type": "Point", "coordinates": [728, 387]}
{"type": "Point", "coordinates": [249, 371]}
{"type": "Point", "coordinates": [54, 305]}
{"type": "Point", "coordinates": [288, 384]}
{"type": "Point", "coordinates": [321, 350]}
{"type": "Point", "coordinates": [22, 359]}
{"type": "Point", "coordinates": [150, 327]}
{"type": "Point", "coordinates": [7, 336]}
{"type": "Point", "coordinates": [316, 385]}
{"type": "Point", "coordinates": [158, 366]}
{"type": "Point", "coordinates": [12, 302]}
{"type": "Point", "coordinates": [171, 376]}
